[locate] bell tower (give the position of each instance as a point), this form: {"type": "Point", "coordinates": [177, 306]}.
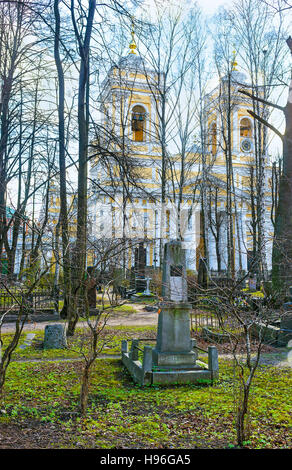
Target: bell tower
{"type": "Point", "coordinates": [130, 101]}
{"type": "Point", "coordinates": [226, 107]}
{"type": "Point", "coordinates": [129, 108]}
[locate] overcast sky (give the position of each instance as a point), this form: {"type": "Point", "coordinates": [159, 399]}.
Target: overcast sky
{"type": "Point", "coordinates": [210, 6]}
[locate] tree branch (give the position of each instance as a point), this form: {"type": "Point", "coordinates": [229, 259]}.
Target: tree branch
{"type": "Point", "coordinates": [257, 98]}
{"type": "Point", "coordinates": [266, 123]}
{"type": "Point", "coordinates": [289, 43]}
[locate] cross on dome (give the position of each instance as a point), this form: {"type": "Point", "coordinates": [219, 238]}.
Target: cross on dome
{"type": "Point", "coordinates": [132, 44]}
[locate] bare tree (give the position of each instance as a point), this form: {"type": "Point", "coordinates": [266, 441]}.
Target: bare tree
{"type": "Point", "coordinates": [95, 327]}
{"type": "Point", "coordinates": [22, 304]}
{"type": "Point", "coordinates": [226, 103]}
{"type": "Point", "coordinates": [63, 219]}
{"type": "Point", "coordinates": [172, 47]}
{"type": "Point", "coordinates": [282, 246]}
{"type": "Point", "coordinates": [237, 318]}
{"type": "Point", "coordinates": [261, 51]}
{"type": "Point", "coordinates": [18, 133]}
{"type": "Point", "coordinates": [216, 219]}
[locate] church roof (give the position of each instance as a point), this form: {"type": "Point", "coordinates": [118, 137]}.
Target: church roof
{"type": "Point", "coordinates": [195, 148]}
{"type": "Point", "coordinates": [236, 77]}
{"type": "Point", "coordinates": [132, 61]}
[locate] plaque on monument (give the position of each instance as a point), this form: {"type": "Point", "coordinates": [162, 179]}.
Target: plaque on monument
{"type": "Point", "coordinates": [174, 282]}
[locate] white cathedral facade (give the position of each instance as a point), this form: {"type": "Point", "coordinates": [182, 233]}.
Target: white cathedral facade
{"type": "Point", "coordinates": [131, 208]}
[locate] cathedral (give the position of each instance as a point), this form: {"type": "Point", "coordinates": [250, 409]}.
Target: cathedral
{"type": "Point", "coordinates": [132, 208]}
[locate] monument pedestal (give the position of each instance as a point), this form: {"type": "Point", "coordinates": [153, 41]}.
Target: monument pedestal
{"type": "Point", "coordinates": [174, 346]}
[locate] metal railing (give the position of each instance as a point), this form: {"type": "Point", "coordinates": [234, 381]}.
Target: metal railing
{"type": "Point", "coordinates": [36, 301]}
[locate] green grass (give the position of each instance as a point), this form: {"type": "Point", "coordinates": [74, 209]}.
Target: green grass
{"type": "Point", "coordinates": [78, 343]}
{"type": "Point", "coordinates": [122, 414]}
{"type": "Point", "coordinates": [121, 308]}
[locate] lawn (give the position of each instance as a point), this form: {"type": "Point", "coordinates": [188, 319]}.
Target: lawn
{"type": "Point", "coordinates": [40, 407]}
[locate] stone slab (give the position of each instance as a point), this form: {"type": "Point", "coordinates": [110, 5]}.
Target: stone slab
{"type": "Point", "coordinates": [55, 337]}
{"type": "Point", "coordinates": [272, 335]}
{"type": "Point", "coordinates": [147, 373]}
{"type": "Point", "coordinates": [136, 371]}
{"type": "Point", "coordinates": [286, 321]}
{"type": "Point", "coordinates": [182, 359]}
{"type": "Point", "coordinates": [28, 340]}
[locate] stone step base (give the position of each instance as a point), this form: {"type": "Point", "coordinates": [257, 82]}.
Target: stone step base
{"type": "Point", "coordinates": [181, 377]}
{"type": "Point", "coordinates": [184, 368]}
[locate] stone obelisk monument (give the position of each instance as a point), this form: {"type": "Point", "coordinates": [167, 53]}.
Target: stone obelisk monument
{"type": "Point", "coordinates": [173, 360]}
{"type": "Point", "coordinates": [174, 346]}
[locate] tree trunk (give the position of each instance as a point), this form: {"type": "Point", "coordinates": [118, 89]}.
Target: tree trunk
{"type": "Point", "coordinates": [241, 417]}
{"type": "Point", "coordinates": [282, 247]}
{"type": "Point", "coordinates": [78, 271]}
{"type": "Point", "coordinates": [68, 308]}
{"type": "Point", "coordinates": [84, 390]}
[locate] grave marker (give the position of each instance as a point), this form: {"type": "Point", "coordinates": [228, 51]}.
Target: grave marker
{"type": "Point", "coordinates": [173, 360]}
{"type": "Point", "coordinates": [55, 337]}
{"type": "Point", "coordinates": [174, 345]}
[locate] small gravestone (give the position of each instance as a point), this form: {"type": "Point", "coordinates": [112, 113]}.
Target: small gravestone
{"type": "Point", "coordinates": [286, 321]}
{"type": "Point", "coordinates": [55, 337]}
{"type": "Point", "coordinates": [28, 341]}
{"type": "Point", "coordinates": [140, 264]}
{"type": "Point", "coordinates": [91, 287]}
{"type": "Point", "coordinates": [203, 273]}
{"type": "Point", "coordinates": [140, 260]}
{"type": "Point", "coordinates": [252, 284]}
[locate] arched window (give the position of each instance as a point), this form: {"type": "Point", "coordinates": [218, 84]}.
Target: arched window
{"type": "Point", "coordinates": [167, 223]}
{"type": "Point", "coordinates": [245, 128]}
{"type": "Point", "coordinates": [212, 137]}
{"type": "Point", "coordinates": [138, 123]}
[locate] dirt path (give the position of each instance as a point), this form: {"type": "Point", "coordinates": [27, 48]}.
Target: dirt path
{"type": "Point", "coordinates": [144, 318]}
{"type": "Point", "coordinates": [140, 318]}
{"type": "Point", "coordinates": [278, 359]}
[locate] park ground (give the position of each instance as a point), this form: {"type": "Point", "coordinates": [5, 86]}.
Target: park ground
{"type": "Point", "coordinates": [40, 403]}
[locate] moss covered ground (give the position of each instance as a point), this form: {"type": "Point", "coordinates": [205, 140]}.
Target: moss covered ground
{"type": "Point", "coordinates": [40, 403]}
